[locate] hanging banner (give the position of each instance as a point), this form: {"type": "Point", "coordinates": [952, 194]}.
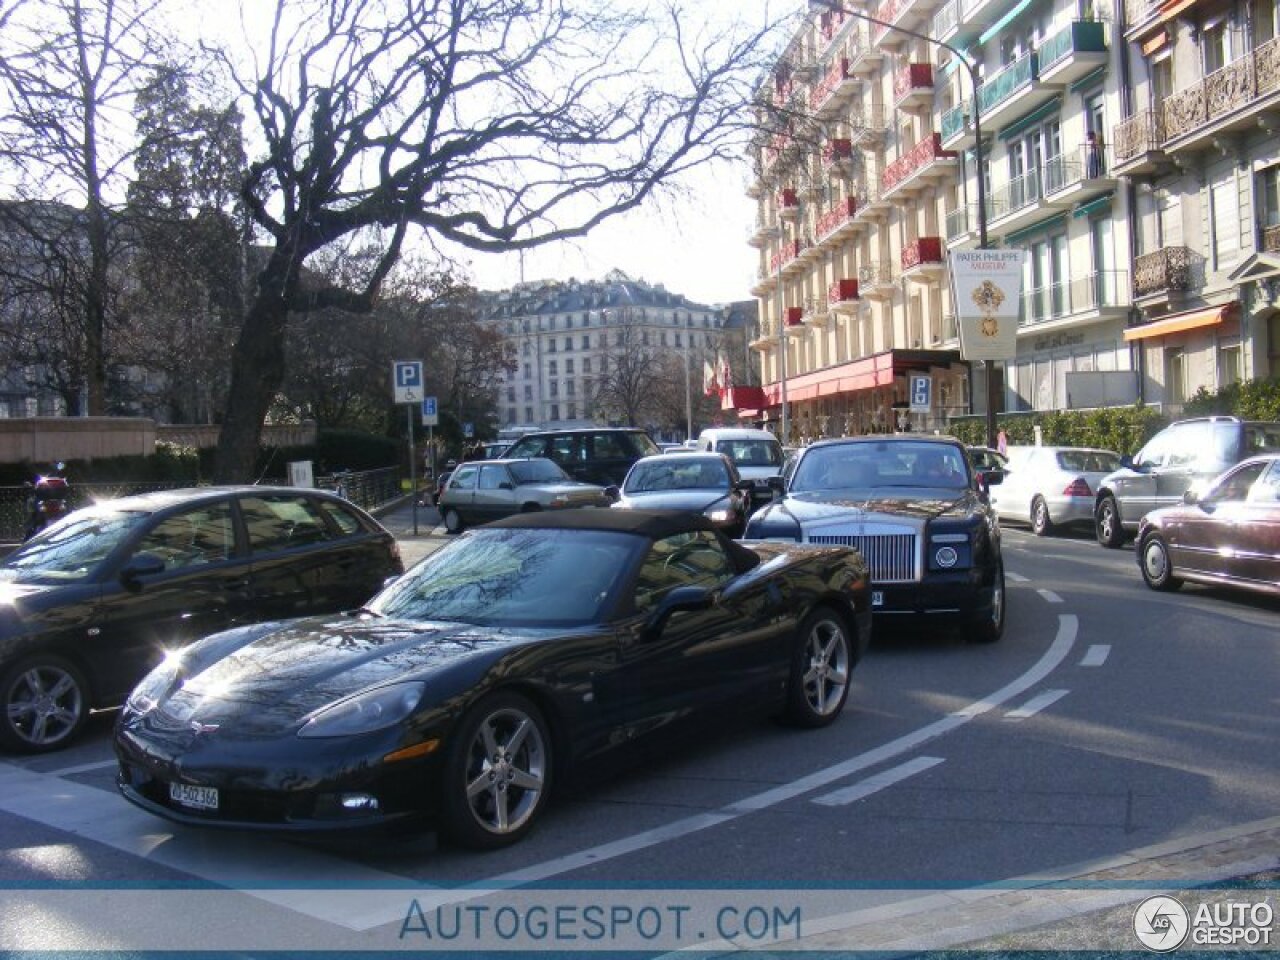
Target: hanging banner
{"type": "Point", "coordinates": [986, 289]}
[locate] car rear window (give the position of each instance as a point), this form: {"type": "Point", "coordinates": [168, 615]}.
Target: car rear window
{"type": "Point", "coordinates": [753, 453]}
{"type": "Point", "coordinates": [345, 519]}
{"type": "Point", "coordinates": [1261, 438]}
{"type": "Point", "coordinates": [1088, 461]}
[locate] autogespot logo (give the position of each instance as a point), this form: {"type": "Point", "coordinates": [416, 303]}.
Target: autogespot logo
{"type": "Point", "coordinates": [1161, 923]}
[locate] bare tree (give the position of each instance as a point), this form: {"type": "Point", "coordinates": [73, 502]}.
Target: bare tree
{"type": "Point", "coordinates": [70, 71]}
{"type": "Point", "coordinates": [633, 370]}
{"type": "Point", "coordinates": [490, 124]}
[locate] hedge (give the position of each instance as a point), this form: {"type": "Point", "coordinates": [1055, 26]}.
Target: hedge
{"type": "Point", "coordinates": [1123, 429]}
{"type": "Point", "coordinates": [1247, 399]}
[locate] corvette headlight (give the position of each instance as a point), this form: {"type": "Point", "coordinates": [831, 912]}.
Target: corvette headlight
{"type": "Point", "coordinates": [365, 712]}
{"type": "Point", "coordinates": [156, 685]}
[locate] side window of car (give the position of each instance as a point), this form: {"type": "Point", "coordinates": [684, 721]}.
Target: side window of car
{"type": "Point", "coordinates": [606, 446]}
{"type": "Point", "coordinates": [464, 478]}
{"type": "Point", "coordinates": [279, 522]}
{"type": "Point", "coordinates": [528, 447]}
{"type": "Point", "coordinates": [192, 538]}
{"type": "Point", "coordinates": [342, 517]}
{"type": "Point", "coordinates": [1189, 443]}
{"type": "Point", "coordinates": [565, 449]}
{"type": "Point", "coordinates": [1237, 484]}
{"type": "Point", "coordinates": [686, 559]}
{"type": "Point", "coordinates": [1267, 489]}
{"type": "Point", "coordinates": [491, 478]}
{"type": "Point", "coordinates": [1155, 451]}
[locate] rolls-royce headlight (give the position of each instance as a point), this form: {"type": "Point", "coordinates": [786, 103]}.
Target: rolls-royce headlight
{"type": "Point", "coordinates": [950, 551]}
{"type": "Point", "coordinates": [946, 557]}
{"type": "Point", "coordinates": [365, 712]}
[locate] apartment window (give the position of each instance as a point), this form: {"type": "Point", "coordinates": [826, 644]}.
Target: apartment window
{"type": "Point", "coordinates": [573, 412]}
{"type": "Point", "coordinates": [586, 364]}
{"type": "Point", "coordinates": [679, 342]}
{"type": "Point", "coordinates": [1269, 188]}
{"type": "Point", "coordinates": [569, 388]}
{"type": "Point", "coordinates": [1264, 21]}
{"type": "Point", "coordinates": [553, 388]}
{"type": "Point", "coordinates": [568, 366]}
{"type": "Point", "coordinates": [1175, 375]}
{"type": "Point", "coordinates": [555, 411]}
{"type": "Point", "coordinates": [551, 368]}
{"type": "Point", "coordinates": [586, 341]}
{"type": "Point", "coordinates": [551, 345]}
{"type": "Point", "coordinates": [511, 394]}
{"type": "Point", "coordinates": [526, 348]}
{"type": "Point", "coordinates": [568, 344]}
{"type": "Point", "coordinates": [1224, 221]}
{"type": "Point", "coordinates": [528, 414]}
{"type": "Point", "coordinates": [1229, 365]}
{"type": "Point", "coordinates": [511, 416]}
{"type": "Point", "coordinates": [1161, 80]}
{"type": "Point", "coordinates": [528, 392]}
{"type": "Point", "coordinates": [1215, 46]}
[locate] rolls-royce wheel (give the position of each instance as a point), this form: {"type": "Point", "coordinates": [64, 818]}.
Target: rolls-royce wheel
{"type": "Point", "coordinates": [1107, 524]}
{"type": "Point", "coordinates": [1157, 569]}
{"type": "Point", "coordinates": [990, 626]}
{"type": "Point", "coordinates": [46, 702]}
{"type": "Point", "coordinates": [497, 774]}
{"type": "Point", "coordinates": [1041, 525]}
{"type": "Point", "coordinates": [820, 669]}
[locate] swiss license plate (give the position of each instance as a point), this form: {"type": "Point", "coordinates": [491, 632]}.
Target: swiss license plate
{"type": "Point", "coordinates": [877, 598]}
{"type": "Point", "coordinates": [198, 798]}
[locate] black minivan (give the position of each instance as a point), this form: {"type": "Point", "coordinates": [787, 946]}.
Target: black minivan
{"type": "Point", "coordinates": [600, 455]}
{"type": "Point", "coordinates": [95, 601]}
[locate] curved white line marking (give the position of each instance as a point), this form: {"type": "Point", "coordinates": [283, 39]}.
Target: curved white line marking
{"type": "Point", "coordinates": [1050, 596]}
{"type": "Point", "coordinates": [1016, 577]}
{"type": "Point", "coordinates": [877, 782]}
{"type": "Point", "coordinates": [1036, 704]}
{"type": "Point", "coordinates": [1068, 626]}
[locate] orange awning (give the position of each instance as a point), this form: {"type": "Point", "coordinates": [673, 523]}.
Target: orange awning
{"type": "Point", "coordinates": [1181, 321]}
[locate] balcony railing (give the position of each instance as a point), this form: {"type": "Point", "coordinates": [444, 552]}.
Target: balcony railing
{"type": "Point", "coordinates": [888, 11]}
{"type": "Point", "coordinates": [912, 77]}
{"type": "Point", "coordinates": [839, 214]}
{"type": "Point", "coordinates": [829, 84]}
{"type": "Point", "coordinates": [917, 158]}
{"type": "Point", "coordinates": [1007, 81]}
{"type": "Point", "coordinates": [923, 250]}
{"type": "Point", "coordinates": [1018, 193]}
{"type": "Point", "coordinates": [955, 121]}
{"type": "Point", "coordinates": [1095, 291]}
{"type": "Point", "coordinates": [1138, 11]}
{"type": "Point", "coordinates": [1255, 74]}
{"type": "Point", "coordinates": [790, 251]}
{"type": "Point", "coordinates": [1167, 269]}
{"type": "Point", "coordinates": [1141, 133]}
{"type": "Point", "coordinates": [964, 220]}
{"type": "Point", "coordinates": [843, 290]}
{"type": "Point", "coordinates": [1090, 163]}
{"type": "Point", "coordinates": [1270, 239]}
{"type": "Point", "coordinates": [1080, 36]}
{"type": "Point", "coordinates": [946, 19]}
{"type": "Point", "coordinates": [868, 125]}
{"type": "Point", "coordinates": [837, 153]}
{"type": "Point", "coordinates": [794, 316]}
{"type": "Point", "coordinates": [875, 275]}
{"type": "Point", "coordinates": [829, 24]}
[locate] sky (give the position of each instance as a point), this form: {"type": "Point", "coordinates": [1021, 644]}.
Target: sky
{"type": "Point", "coordinates": [694, 245]}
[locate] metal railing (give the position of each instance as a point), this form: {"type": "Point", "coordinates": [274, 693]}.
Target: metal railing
{"type": "Point", "coordinates": [1105, 288]}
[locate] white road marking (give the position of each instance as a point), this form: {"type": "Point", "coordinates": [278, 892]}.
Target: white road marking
{"type": "Point", "coordinates": [1050, 596]}
{"type": "Point", "coordinates": [242, 860]}
{"type": "Point", "coordinates": [81, 768]}
{"type": "Point", "coordinates": [1016, 577]}
{"type": "Point", "coordinates": [1036, 704]}
{"type": "Point", "coordinates": [877, 782]}
{"type": "Point", "coordinates": [1096, 655]}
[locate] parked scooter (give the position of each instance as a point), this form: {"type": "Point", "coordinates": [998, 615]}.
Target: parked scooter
{"type": "Point", "coordinates": [48, 502]}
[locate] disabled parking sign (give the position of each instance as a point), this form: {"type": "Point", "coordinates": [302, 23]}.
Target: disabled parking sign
{"type": "Point", "coordinates": [406, 381]}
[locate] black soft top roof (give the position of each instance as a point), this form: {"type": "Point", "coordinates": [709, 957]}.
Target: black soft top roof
{"type": "Point", "coordinates": [652, 524]}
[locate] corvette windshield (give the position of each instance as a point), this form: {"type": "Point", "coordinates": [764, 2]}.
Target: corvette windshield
{"type": "Point", "coordinates": [514, 577]}
{"type": "Point", "coordinates": [872, 466]}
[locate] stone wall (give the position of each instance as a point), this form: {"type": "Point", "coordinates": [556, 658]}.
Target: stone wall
{"type": "Point", "coordinates": [47, 439]}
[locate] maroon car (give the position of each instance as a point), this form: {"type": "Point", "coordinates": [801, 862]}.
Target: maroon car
{"type": "Point", "coordinates": [1228, 535]}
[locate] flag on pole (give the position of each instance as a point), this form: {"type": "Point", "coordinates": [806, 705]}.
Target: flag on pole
{"type": "Point", "coordinates": [709, 385]}
{"type": "Point", "coordinates": [726, 373]}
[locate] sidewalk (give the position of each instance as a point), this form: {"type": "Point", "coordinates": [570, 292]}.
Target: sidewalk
{"type": "Point", "coordinates": [398, 517]}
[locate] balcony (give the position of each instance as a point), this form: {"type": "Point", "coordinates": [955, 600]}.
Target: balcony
{"type": "Point", "coordinates": [917, 168]}
{"type": "Point", "coordinates": [956, 128]}
{"type": "Point", "coordinates": [962, 226]}
{"type": "Point", "coordinates": [766, 340]}
{"type": "Point", "coordinates": [1074, 51]}
{"type": "Point", "coordinates": [1097, 296]}
{"type": "Point", "coordinates": [868, 128]}
{"type": "Point", "coordinates": [764, 283]}
{"type": "Point", "coordinates": [913, 87]}
{"type": "Point", "coordinates": [876, 281]}
{"type": "Point", "coordinates": [946, 21]}
{"type": "Point", "coordinates": [872, 203]}
{"type": "Point", "coordinates": [864, 56]}
{"type": "Point", "coordinates": [788, 204]}
{"type": "Point", "coordinates": [1269, 241]}
{"type": "Point", "coordinates": [763, 232]}
{"type": "Point", "coordinates": [1019, 203]}
{"type": "Point", "coordinates": [794, 316]}
{"type": "Point", "coordinates": [1013, 90]}
{"type": "Point", "coordinates": [838, 222]}
{"type": "Point", "coordinates": [922, 259]}
{"type": "Point", "coordinates": [1139, 146]}
{"type": "Point", "coordinates": [816, 312]}
{"type": "Point", "coordinates": [1078, 176]}
{"type": "Point", "coordinates": [1159, 273]}
{"type": "Point", "coordinates": [830, 23]}
{"type": "Point", "coordinates": [843, 295]}
{"type": "Point", "coordinates": [833, 90]}
{"type": "Point", "coordinates": [1226, 100]}
{"type": "Point", "coordinates": [907, 14]}
{"type": "Point", "coordinates": [975, 15]}
{"type": "Point", "coordinates": [788, 258]}
{"type": "Point", "coordinates": [1138, 12]}
{"type": "Point", "coordinates": [837, 157]}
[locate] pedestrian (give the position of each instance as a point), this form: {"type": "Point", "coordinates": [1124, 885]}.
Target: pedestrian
{"type": "Point", "coordinates": [1093, 155]}
{"type": "Point", "coordinates": [1002, 442]}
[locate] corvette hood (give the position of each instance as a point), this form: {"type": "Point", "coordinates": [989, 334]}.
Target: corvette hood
{"type": "Point", "coordinates": [305, 665]}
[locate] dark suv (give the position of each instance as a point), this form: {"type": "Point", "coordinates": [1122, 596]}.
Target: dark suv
{"type": "Point", "coordinates": [600, 455]}
{"type": "Point", "coordinates": [1177, 458]}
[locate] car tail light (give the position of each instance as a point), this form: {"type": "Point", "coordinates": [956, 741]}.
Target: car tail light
{"type": "Point", "coordinates": [1079, 487]}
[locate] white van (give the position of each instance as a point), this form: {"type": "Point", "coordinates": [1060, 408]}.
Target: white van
{"type": "Point", "coordinates": [756, 453]}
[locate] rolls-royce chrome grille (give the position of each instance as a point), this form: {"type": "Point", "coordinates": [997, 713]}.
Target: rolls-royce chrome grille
{"type": "Point", "coordinates": [891, 556]}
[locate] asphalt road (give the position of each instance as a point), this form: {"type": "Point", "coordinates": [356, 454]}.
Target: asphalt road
{"type": "Point", "coordinates": [1109, 719]}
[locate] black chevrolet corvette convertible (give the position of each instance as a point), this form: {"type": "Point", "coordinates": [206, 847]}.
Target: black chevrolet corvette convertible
{"type": "Point", "coordinates": [511, 657]}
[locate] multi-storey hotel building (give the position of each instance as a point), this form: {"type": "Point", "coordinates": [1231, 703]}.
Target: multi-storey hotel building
{"type": "Point", "coordinates": [1134, 188]}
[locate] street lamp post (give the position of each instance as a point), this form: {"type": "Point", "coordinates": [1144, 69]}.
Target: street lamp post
{"type": "Point", "coordinates": [834, 6]}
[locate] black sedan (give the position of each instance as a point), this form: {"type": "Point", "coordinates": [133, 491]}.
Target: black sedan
{"type": "Point", "coordinates": [1229, 535]}
{"type": "Point", "coordinates": [706, 483]}
{"type": "Point", "coordinates": [505, 661]}
{"type": "Point", "coordinates": [95, 601]}
{"type": "Point", "coordinates": [912, 506]}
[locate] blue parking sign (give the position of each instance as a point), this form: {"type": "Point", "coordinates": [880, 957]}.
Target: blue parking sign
{"type": "Point", "coordinates": [406, 381]}
{"type": "Point", "coordinates": [921, 393]}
